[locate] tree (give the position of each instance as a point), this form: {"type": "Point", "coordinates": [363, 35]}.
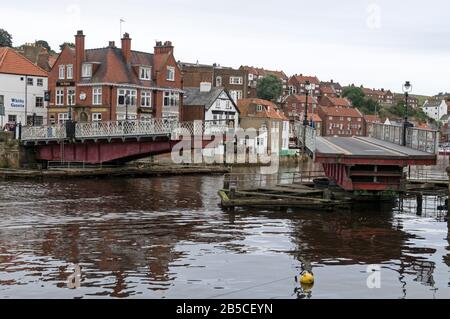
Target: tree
{"type": "Point", "coordinates": [69, 44]}
{"type": "Point", "coordinates": [359, 100]}
{"type": "Point", "coordinates": [355, 95]}
{"type": "Point", "coordinates": [269, 88]}
{"type": "Point", "coordinates": [5, 38]}
{"type": "Point", "coordinates": [43, 44]}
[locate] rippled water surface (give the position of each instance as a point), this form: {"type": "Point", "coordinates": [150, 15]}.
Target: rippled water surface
{"type": "Point", "coordinates": [168, 238]}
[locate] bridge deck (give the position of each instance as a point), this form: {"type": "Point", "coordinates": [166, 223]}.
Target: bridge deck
{"type": "Point", "coordinates": [367, 150]}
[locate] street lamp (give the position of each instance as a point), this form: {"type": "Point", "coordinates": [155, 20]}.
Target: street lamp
{"type": "Point", "coordinates": [127, 101]}
{"type": "Point", "coordinates": [309, 87]}
{"type": "Point", "coordinates": [407, 88]}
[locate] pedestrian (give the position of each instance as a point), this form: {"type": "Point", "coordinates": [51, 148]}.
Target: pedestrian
{"type": "Point", "coordinates": [6, 128]}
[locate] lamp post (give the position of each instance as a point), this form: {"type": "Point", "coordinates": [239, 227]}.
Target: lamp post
{"type": "Point", "coordinates": [127, 101]}
{"type": "Point", "coordinates": [308, 87]}
{"type": "Point", "coordinates": [407, 88]}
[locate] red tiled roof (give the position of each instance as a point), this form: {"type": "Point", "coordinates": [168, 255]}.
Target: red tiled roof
{"type": "Point", "coordinates": [271, 109]}
{"type": "Point", "coordinates": [263, 72]}
{"type": "Point", "coordinates": [312, 79]}
{"type": "Point", "coordinates": [114, 69]}
{"type": "Point", "coordinates": [327, 90]}
{"type": "Point", "coordinates": [372, 118]}
{"type": "Point", "coordinates": [339, 101]}
{"type": "Point", "coordinates": [316, 117]}
{"type": "Point", "coordinates": [302, 99]}
{"type": "Point", "coordinates": [339, 111]}
{"type": "Point", "coordinates": [12, 62]}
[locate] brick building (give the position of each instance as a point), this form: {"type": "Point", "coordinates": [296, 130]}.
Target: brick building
{"type": "Point", "coordinates": [294, 106]}
{"type": "Point", "coordinates": [331, 88]}
{"type": "Point", "coordinates": [381, 96]}
{"type": "Point", "coordinates": [335, 102]}
{"type": "Point", "coordinates": [254, 74]}
{"type": "Point", "coordinates": [110, 83]}
{"type": "Point", "coordinates": [233, 80]}
{"type": "Point", "coordinates": [342, 121]}
{"type": "Point", "coordinates": [296, 84]}
{"type": "Point", "coordinates": [413, 102]}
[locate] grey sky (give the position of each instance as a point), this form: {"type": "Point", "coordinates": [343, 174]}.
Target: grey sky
{"type": "Point", "coordinates": [376, 43]}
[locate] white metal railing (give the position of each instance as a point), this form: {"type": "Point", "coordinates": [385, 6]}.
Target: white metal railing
{"type": "Point", "coordinates": [53, 132]}
{"type": "Point", "coordinates": [124, 128]}
{"type": "Point", "coordinates": [417, 139]}
{"type": "Point", "coordinates": [311, 134]}
{"type": "Point", "coordinates": [130, 128]}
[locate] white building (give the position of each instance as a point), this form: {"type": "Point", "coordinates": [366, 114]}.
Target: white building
{"type": "Point", "coordinates": [213, 106]}
{"type": "Point", "coordinates": [22, 90]}
{"type": "Point", "coordinates": [435, 109]}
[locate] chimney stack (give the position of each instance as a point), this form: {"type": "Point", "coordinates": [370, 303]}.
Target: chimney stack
{"type": "Point", "coordinates": [165, 48]}
{"type": "Point", "coordinates": [126, 48]}
{"type": "Point", "coordinates": [79, 54]}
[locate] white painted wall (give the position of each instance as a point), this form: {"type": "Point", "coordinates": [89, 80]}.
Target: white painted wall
{"type": "Point", "coordinates": [12, 87]}
{"type": "Point", "coordinates": [438, 112]}
{"type": "Point", "coordinates": [285, 136]}
{"type": "Point", "coordinates": [223, 105]}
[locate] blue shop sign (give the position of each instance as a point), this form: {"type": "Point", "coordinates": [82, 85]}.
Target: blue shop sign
{"type": "Point", "coordinates": [17, 102]}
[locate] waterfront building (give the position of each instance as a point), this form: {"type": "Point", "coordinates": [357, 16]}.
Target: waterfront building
{"type": "Point", "coordinates": [214, 106]}
{"type": "Point", "coordinates": [111, 83]}
{"type": "Point", "coordinates": [22, 90]}
{"type": "Point", "coordinates": [265, 117]}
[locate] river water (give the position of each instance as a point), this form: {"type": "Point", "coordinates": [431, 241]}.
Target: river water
{"type": "Point", "coordinates": [168, 238]}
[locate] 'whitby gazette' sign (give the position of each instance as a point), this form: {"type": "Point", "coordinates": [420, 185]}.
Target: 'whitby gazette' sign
{"type": "Point", "coordinates": [17, 102]}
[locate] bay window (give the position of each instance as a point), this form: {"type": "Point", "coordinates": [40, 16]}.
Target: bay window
{"type": "Point", "coordinates": [122, 95]}
{"type": "Point", "coordinates": [97, 96]}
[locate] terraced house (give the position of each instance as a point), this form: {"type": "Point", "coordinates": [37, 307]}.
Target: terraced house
{"type": "Point", "coordinates": [111, 83]}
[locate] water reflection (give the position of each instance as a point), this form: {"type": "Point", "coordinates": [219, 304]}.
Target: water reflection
{"type": "Point", "coordinates": [167, 237]}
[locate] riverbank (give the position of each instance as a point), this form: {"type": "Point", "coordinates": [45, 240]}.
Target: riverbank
{"type": "Point", "coordinates": [127, 171]}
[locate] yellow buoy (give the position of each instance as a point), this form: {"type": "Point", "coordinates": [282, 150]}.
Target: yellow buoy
{"type": "Point", "coordinates": [306, 278]}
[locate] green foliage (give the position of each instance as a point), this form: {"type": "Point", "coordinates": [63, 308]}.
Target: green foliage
{"type": "Point", "coordinates": [44, 44]}
{"type": "Point", "coordinates": [359, 100]}
{"type": "Point", "coordinates": [398, 110]}
{"type": "Point", "coordinates": [5, 38]}
{"type": "Point", "coordinates": [63, 45]}
{"type": "Point", "coordinates": [269, 88]}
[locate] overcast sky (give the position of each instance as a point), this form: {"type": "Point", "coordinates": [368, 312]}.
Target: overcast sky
{"type": "Point", "coordinates": [376, 43]}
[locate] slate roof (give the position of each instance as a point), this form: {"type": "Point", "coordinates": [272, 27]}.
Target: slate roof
{"type": "Point", "coordinates": [113, 68]}
{"type": "Point", "coordinates": [193, 96]}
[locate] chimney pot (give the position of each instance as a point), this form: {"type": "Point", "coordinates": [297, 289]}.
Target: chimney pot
{"type": "Point", "coordinates": [112, 44]}
{"type": "Point", "coordinates": [80, 32]}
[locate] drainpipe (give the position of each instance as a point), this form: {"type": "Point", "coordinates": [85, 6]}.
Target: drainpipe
{"type": "Point", "coordinates": [26, 98]}
{"type": "Point", "coordinates": [110, 102]}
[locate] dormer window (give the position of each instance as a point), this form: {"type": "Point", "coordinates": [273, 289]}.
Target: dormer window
{"type": "Point", "coordinates": [170, 73]}
{"type": "Point", "coordinates": [145, 74]}
{"type": "Point", "coordinates": [87, 70]}
{"type": "Point", "coordinates": [259, 108]}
